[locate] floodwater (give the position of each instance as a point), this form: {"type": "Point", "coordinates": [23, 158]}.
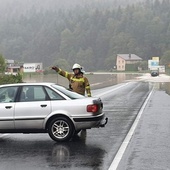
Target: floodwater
{"type": "Point", "coordinates": [97, 80]}
{"type": "Point", "coordinates": [100, 80]}
{"type": "Point", "coordinates": [163, 86]}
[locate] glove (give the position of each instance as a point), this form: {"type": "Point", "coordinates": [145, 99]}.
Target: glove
{"type": "Point", "coordinates": [54, 68]}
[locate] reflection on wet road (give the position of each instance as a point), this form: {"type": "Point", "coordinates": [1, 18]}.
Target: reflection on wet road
{"type": "Point", "coordinates": [39, 153]}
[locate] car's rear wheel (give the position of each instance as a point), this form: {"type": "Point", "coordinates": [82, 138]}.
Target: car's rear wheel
{"type": "Point", "coordinates": [60, 129]}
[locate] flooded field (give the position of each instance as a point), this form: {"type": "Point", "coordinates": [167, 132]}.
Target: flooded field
{"type": "Point", "coordinates": [97, 80]}
{"type": "Point", "coordinates": [100, 80]}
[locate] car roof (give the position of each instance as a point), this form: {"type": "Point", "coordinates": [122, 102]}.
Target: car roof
{"type": "Point", "coordinates": [21, 84]}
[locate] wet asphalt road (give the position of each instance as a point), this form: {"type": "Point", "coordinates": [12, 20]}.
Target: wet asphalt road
{"type": "Point", "coordinates": [149, 148]}
{"type": "Point", "coordinates": [93, 149]}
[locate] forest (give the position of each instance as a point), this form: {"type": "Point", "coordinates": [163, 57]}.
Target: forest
{"type": "Point", "coordinates": [91, 34]}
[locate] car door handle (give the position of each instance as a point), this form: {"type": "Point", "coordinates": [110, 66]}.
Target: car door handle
{"type": "Point", "coordinates": [8, 107]}
{"type": "Point", "coordinates": [43, 105]}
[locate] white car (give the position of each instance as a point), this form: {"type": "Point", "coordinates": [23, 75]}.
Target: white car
{"type": "Point", "coordinates": [47, 108]}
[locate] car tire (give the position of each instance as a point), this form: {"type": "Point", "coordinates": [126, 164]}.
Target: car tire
{"type": "Point", "coordinates": [60, 129]}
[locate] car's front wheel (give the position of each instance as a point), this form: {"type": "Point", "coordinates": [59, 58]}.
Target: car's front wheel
{"type": "Point", "coordinates": [60, 129]}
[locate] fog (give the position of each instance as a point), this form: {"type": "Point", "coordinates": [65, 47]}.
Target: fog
{"type": "Point", "coordinates": [26, 4]}
{"type": "Point", "coordinates": [89, 32]}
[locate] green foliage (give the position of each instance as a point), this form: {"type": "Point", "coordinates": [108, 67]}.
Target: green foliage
{"type": "Point", "coordinates": [143, 65]}
{"type": "Point", "coordinates": [109, 63]}
{"type": "Point", "coordinates": [90, 35]}
{"type": "Point", "coordinates": [9, 79]}
{"type": "Point", "coordinates": [2, 64]}
{"type": "Point", "coordinates": [63, 63]}
{"type": "Point", "coordinates": [165, 59]}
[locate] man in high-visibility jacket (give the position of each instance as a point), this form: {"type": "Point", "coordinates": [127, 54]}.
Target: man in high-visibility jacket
{"type": "Point", "coordinates": [77, 81]}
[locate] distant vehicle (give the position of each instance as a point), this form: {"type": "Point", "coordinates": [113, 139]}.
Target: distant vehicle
{"type": "Point", "coordinates": [48, 108]}
{"type": "Point", "coordinates": [154, 73]}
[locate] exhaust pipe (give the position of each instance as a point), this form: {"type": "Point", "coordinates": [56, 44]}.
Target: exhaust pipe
{"type": "Point", "coordinates": [103, 124]}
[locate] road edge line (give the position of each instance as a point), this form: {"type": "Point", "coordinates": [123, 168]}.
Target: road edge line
{"type": "Point", "coordinates": [125, 143]}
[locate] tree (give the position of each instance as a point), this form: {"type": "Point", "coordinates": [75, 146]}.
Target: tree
{"type": "Point", "coordinates": [62, 63]}
{"type": "Point", "coordinates": [2, 64]}
{"type": "Point", "coordinates": [110, 63]}
{"type": "Point", "coordinates": [165, 59]}
{"type": "Point", "coordinates": [67, 42]}
{"type": "Point", "coordinates": [9, 79]}
{"type": "Point", "coordinates": [143, 65]}
{"type": "Point", "coordinates": [90, 34]}
{"type": "Point", "coordinates": [86, 59]}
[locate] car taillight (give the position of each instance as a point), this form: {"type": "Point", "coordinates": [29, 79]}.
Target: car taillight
{"type": "Point", "coordinates": [92, 108]}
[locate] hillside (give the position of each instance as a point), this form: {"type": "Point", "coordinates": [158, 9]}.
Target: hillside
{"type": "Point", "coordinates": [90, 33]}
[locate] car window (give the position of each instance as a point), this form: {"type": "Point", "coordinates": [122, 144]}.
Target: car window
{"type": "Point", "coordinates": [32, 93]}
{"type": "Point", "coordinates": [53, 95]}
{"type": "Point", "coordinates": [70, 94]}
{"type": "Point", "coordinates": [8, 94]}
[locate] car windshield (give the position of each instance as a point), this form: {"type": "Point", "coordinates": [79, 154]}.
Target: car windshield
{"type": "Point", "coordinates": [67, 92]}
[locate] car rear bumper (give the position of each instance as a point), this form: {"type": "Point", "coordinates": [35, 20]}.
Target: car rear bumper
{"type": "Point", "coordinates": [90, 122]}
{"type": "Point", "coordinates": [89, 119]}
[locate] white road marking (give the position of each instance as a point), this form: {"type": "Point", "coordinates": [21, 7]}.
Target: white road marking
{"type": "Point", "coordinates": [109, 91]}
{"type": "Point", "coordinates": [1, 136]}
{"type": "Point", "coordinates": [125, 143]}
